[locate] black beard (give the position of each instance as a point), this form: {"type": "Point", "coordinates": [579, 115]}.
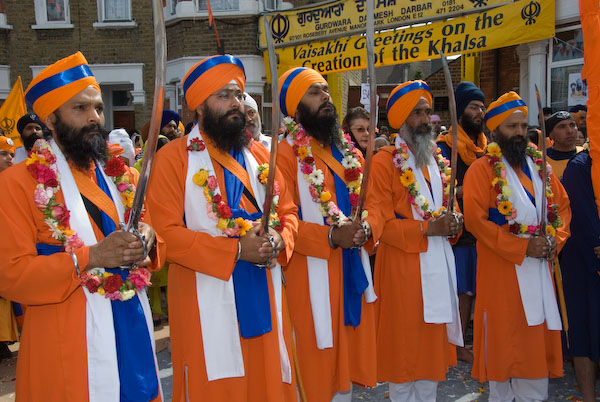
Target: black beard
{"type": "Point", "coordinates": [81, 146]}
{"type": "Point", "coordinates": [471, 128]}
{"type": "Point", "coordinates": [30, 140]}
{"type": "Point", "coordinates": [324, 128]}
{"type": "Point", "coordinates": [513, 149]}
{"type": "Point", "coordinates": [224, 132]}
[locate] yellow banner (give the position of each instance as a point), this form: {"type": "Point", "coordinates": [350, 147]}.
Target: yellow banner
{"type": "Point", "coordinates": [338, 17]}
{"type": "Point", "coordinates": [519, 22]}
{"type": "Point", "coordinates": [11, 111]}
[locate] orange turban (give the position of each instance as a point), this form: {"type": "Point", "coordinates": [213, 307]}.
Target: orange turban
{"type": "Point", "coordinates": [404, 98]}
{"type": "Point", "coordinates": [501, 108]}
{"type": "Point", "coordinates": [6, 144]}
{"type": "Point", "coordinates": [58, 83]}
{"type": "Point", "coordinates": [293, 84]}
{"type": "Point", "coordinates": [209, 75]}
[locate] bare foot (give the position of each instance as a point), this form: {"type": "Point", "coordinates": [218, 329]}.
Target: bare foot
{"type": "Point", "coordinates": [464, 354]}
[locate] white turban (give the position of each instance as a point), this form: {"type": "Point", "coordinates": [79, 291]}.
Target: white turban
{"type": "Point", "coordinates": [120, 137]}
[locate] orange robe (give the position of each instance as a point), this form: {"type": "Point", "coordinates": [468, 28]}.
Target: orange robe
{"type": "Point", "coordinates": [190, 252]}
{"type": "Point", "coordinates": [504, 346]}
{"type": "Point", "coordinates": [408, 349]}
{"type": "Point", "coordinates": [52, 364]}
{"type": "Point", "coordinates": [352, 357]}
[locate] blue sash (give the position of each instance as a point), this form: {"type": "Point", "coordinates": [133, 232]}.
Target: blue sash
{"type": "Point", "coordinates": [249, 281]}
{"type": "Point", "coordinates": [355, 280]}
{"type": "Point", "coordinates": [137, 372]}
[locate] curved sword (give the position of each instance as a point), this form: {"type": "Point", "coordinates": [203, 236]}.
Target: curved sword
{"type": "Point", "coordinates": [160, 48]}
{"type": "Point", "coordinates": [454, 118]}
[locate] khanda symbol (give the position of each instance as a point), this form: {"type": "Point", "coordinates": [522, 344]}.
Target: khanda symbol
{"type": "Point", "coordinates": [530, 12]}
{"type": "Point", "coordinates": [7, 125]}
{"type": "Point", "coordinates": [478, 3]}
{"type": "Point", "coordinates": [280, 27]}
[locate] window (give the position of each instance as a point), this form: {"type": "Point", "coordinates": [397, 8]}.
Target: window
{"type": "Point", "coordinates": [567, 88]}
{"type": "Point", "coordinates": [270, 5]}
{"type": "Point", "coordinates": [218, 5]}
{"type": "Point", "coordinates": [51, 14]}
{"type": "Point", "coordinates": [114, 10]}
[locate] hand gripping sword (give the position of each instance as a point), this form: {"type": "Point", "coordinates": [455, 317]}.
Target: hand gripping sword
{"type": "Point", "coordinates": [160, 47]}
{"type": "Point", "coordinates": [454, 120]}
{"type": "Point", "coordinates": [369, 36]}
{"type": "Point", "coordinates": [544, 221]}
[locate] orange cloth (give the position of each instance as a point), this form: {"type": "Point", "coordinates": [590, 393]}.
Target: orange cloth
{"type": "Point", "coordinates": [293, 84]}
{"type": "Point", "coordinates": [590, 26]}
{"type": "Point", "coordinates": [400, 104]}
{"type": "Point", "coordinates": [352, 357]}
{"type": "Point", "coordinates": [8, 322]}
{"type": "Point", "coordinates": [54, 330]}
{"type": "Point", "coordinates": [197, 89]}
{"type": "Point", "coordinates": [495, 114]}
{"type": "Point", "coordinates": [467, 149]}
{"type": "Point", "coordinates": [6, 144]}
{"type": "Point", "coordinates": [503, 344]}
{"type": "Point", "coordinates": [47, 103]}
{"type": "Point", "coordinates": [408, 349]}
{"type": "Point", "coordinates": [190, 252]}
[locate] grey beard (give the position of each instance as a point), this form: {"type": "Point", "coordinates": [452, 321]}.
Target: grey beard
{"type": "Point", "coordinates": [421, 141]}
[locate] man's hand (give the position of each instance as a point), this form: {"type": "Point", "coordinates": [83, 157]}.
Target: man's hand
{"type": "Point", "coordinates": [268, 250]}
{"type": "Point", "coordinates": [539, 247]}
{"type": "Point", "coordinates": [116, 249]}
{"type": "Point", "coordinates": [349, 235]}
{"type": "Point", "coordinates": [445, 225]}
{"type": "Point", "coordinates": [257, 249]}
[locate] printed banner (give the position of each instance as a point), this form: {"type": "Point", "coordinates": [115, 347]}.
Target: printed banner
{"type": "Point", "coordinates": [519, 22]}
{"type": "Point", "coordinates": [337, 17]}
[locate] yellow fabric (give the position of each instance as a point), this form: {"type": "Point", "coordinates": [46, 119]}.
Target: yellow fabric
{"type": "Point", "coordinates": [49, 102]}
{"type": "Point", "coordinates": [399, 111]}
{"type": "Point", "coordinates": [467, 150]}
{"type": "Point", "coordinates": [495, 121]}
{"type": "Point", "coordinates": [211, 81]}
{"type": "Point", "coordinates": [12, 110]}
{"type": "Point", "coordinates": [298, 87]}
{"type": "Point", "coordinates": [8, 322]}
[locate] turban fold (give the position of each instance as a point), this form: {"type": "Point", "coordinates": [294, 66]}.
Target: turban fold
{"type": "Point", "coordinates": [120, 138]}
{"type": "Point", "coordinates": [464, 93]}
{"type": "Point", "coordinates": [556, 118]}
{"type": "Point", "coordinates": [6, 144]}
{"type": "Point", "coordinates": [404, 98]}
{"type": "Point", "coordinates": [169, 116]}
{"type": "Point", "coordinates": [58, 83]}
{"type": "Point", "coordinates": [27, 119]}
{"type": "Point", "coordinates": [209, 75]}
{"type": "Point", "coordinates": [293, 84]}
{"type": "Point", "coordinates": [501, 108]}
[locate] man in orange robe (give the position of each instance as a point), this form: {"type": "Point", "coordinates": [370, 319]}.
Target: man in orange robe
{"type": "Point", "coordinates": [230, 333]}
{"type": "Point", "coordinates": [328, 284]}
{"type": "Point", "coordinates": [415, 275]}
{"type": "Point", "coordinates": [517, 343]}
{"type": "Point", "coordinates": [77, 344]}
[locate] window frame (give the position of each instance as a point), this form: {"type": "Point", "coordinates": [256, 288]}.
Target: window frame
{"type": "Point", "coordinates": [41, 16]}
{"type": "Point", "coordinates": [102, 14]}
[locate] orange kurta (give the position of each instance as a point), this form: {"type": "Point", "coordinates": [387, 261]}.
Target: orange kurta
{"type": "Point", "coordinates": [352, 357]}
{"type": "Point", "coordinates": [52, 364]}
{"type": "Point", "coordinates": [190, 252]}
{"type": "Point", "coordinates": [504, 346]}
{"type": "Point", "coordinates": [408, 349]}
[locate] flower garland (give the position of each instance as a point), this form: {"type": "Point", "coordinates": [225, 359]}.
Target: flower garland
{"type": "Point", "coordinates": [407, 178]}
{"type": "Point", "coordinates": [503, 192]}
{"type": "Point", "coordinates": [41, 164]}
{"type": "Point", "coordinates": [315, 178]}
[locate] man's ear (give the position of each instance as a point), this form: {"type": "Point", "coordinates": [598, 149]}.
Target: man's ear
{"type": "Point", "coordinates": [50, 121]}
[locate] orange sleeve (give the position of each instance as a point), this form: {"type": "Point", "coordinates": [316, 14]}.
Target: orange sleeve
{"type": "Point", "coordinates": [477, 200]}
{"type": "Point", "coordinates": [385, 198]}
{"type": "Point", "coordinates": [26, 277]}
{"type": "Point", "coordinates": [197, 251]}
{"type": "Point", "coordinates": [564, 211]}
{"type": "Point", "coordinates": [312, 238]}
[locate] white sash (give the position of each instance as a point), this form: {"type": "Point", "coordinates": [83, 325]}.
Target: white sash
{"type": "Point", "coordinates": [533, 275]}
{"type": "Point", "coordinates": [438, 269]}
{"type": "Point", "coordinates": [103, 371]}
{"type": "Point", "coordinates": [216, 297]}
{"type": "Point", "coordinates": [318, 271]}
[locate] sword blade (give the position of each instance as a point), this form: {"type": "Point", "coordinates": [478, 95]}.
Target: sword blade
{"type": "Point", "coordinates": [454, 119]}
{"type": "Point", "coordinates": [369, 36]}
{"type": "Point", "coordinates": [542, 146]}
{"type": "Point", "coordinates": [160, 48]}
{"type": "Point", "coordinates": [274, 127]}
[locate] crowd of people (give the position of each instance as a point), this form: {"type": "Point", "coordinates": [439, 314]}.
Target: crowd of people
{"type": "Point", "coordinates": [331, 294]}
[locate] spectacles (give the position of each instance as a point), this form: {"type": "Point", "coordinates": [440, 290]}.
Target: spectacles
{"type": "Point", "coordinates": [227, 94]}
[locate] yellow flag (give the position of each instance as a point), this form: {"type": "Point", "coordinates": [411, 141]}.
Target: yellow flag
{"type": "Point", "coordinates": [11, 111]}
